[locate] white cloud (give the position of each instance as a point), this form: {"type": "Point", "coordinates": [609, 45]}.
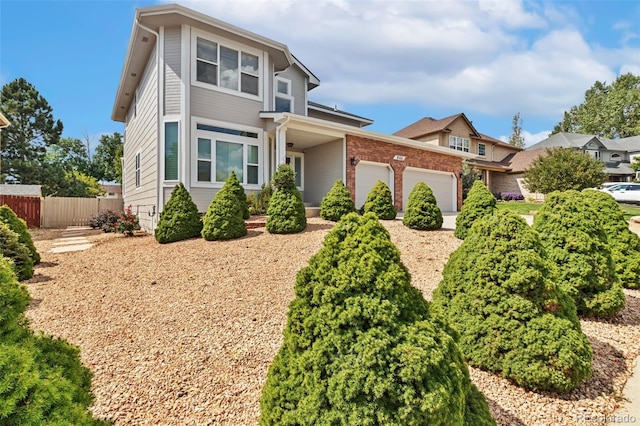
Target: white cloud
{"type": "Point", "coordinates": [466, 56]}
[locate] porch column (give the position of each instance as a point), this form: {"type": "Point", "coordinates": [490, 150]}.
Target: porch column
{"type": "Point", "coordinates": [281, 145]}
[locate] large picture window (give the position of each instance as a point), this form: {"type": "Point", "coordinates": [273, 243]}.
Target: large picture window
{"type": "Point", "coordinates": [458, 143]}
{"type": "Point", "coordinates": [222, 151]}
{"type": "Point", "coordinates": [227, 67]}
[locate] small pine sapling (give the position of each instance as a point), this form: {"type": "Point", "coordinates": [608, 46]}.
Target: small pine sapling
{"type": "Point", "coordinates": [360, 346]}
{"type": "Point", "coordinates": [422, 211]}
{"type": "Point", "coordinates": [575, 240]}
{"type": "Point", "coordinates": [11, 247]}
{"type": "Point", "coordinates": [337, 203]}
{"type": "Point", "coordinates": [380, 202]}
{"type": "Point", "coordinates": [479, 203]}
{"type": "Point", "coordinates": [223, 220]}
{"type": "Point", "coordinates": [499, 291]}
{"type": "Point", "coordinates": [286, 213]}
{"type": "Point", "coordinates": [179, 219]}
{"type": "Point", "coordinates": [238, 191]}
{"type": "Point", "coordinates": [19, 226]}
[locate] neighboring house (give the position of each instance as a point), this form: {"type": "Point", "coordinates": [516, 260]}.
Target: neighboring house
{"type": "Point", "coordinates": [201, 98]}
{"type": "Point", "coordinates": [112, 190]}
{"type": "Point", "coordinates": [457, 133]}
{"type": "Point", "coordinates": [512, 181]}
{"type": "Point", "coordinates": [617, 154]}
{"type": "Point", "coordinates": [21, 190]}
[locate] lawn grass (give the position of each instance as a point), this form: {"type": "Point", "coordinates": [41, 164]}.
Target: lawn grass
{"type": "Point", "coordinates": [523, 207]}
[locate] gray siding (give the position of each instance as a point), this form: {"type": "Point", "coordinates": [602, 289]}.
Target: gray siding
{"type": "Point", "coordinates": [323, 165]}
{"type": "Point", "coordinates": [142, 136]}
{"type": "Point", "coordinates": [298, 88]}
{"type": "Point", "coordinates": [202, 197]}
{"type": "Point", "coordinates": [172, 40]}
{"type": "Point", "coordinates": [220, 106]}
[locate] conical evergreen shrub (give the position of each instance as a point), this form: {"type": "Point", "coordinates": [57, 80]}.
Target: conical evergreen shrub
{"type": "Point", "coordinates": [223, 220]}
{"type": "Point", "coordinates": [360, 347]}
{"type": "Point", "coordinates": [624, 243]}
{"type": "Point", "coordinates": [380, 202]}
{"type": "Point", "coordinates": [179, 219]}
{"type": "Point", "coordinates": [286, 213]}
{"type": "Point", "coordinates": [42, 380]}
{"type": "Point", "coordinates": [422, 211]}
{"type": "Point", "coordinates": [499, 292]}
{"type": "Point", "coordinates": [19, 226]}
{"type": "Point", "coordinates": [337, 203]}
{"type": "Point", "coordinates": [575, 240]}
{"type": "Point", "coordinates": [479, 203]}
{"type": "Point", "coordinates": [238, 191]}
{"type": "Point", "coordinates": [11, 247]}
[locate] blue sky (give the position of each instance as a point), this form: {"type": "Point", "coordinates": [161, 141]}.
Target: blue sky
{"type": "Point", "coordinates": [392, 61]}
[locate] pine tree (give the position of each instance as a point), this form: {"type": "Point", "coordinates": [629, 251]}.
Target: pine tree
{"type": "Point", "coordinates": [499, 291]}
{"type": "Point", "coordinates": [12, 248]}
{"type": "Point", "coordinates": [19, 226]}
{"type": "Point", "coordinates": [337, 203]}
{"type": "Point", "coordinates": [238, 191]}
{"type": "Point", "coordinates": [479, 203]}
{"type": "Point", "coordinates": [360, 346]}
{"type": "Point", "coordinates": [380, 201]}
{"type": "Point", "coordinates": [575, 240]}
{"type": "Point", "coordinates": [180, 219]}
{"type": "Point", "coordinates": [422, 211]}
{"type": "Point", "coordinates": [286, 212]}
{"type": "Point", "coordinates": [223, 220]}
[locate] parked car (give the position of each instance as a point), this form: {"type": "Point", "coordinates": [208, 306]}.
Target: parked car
{"type": "Point", "coordinates": [625, 192]}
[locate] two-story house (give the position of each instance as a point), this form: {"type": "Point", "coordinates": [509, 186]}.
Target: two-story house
{"type": "Point", "coordinates": [458, 133]}
{"type": "Point", "coordinates": [201, 98]}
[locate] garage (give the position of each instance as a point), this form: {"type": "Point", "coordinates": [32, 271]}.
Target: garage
{"type": "Point", "coordinates": [367, 174]}
{"type": "Point", "coordinates": [443, 185]}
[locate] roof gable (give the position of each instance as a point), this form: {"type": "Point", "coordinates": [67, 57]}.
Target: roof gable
{"type": "Point", "coordinates": [429, 125]}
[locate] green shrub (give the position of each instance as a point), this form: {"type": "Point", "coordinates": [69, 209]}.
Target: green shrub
{"type": "Point", "coordinates": [19, 226]}
{"type": "Point", "coordinates": [42, 380]}
{"type": "Point", "coordinates": [259, 203]}
{"type": "Point", "coordinates": [223, 220]}
{"type": "Point", "coordinates": [624, 243]}
{"type": "Point", "coordinates": [380, 202]}
{"type": "Point", "coordinates": [360, 346]}
{"type": "Point", "coordinates": [105, 220]}
{"type": "Point", "coordinates": [238, 191]}
{"type": "Point", "coordinates": [479, 203]}
{"type": "Point", "coordinates": [422, 211]}
{"type": "Point", "coordinates": [575, 240]}
{"type": "Point", "coordinates": [179, 219]}
{"type": "Point", "coordinates": [11, 247]}
{"type": "Point", "coordinates": [286, 213]}
{"type": "Point", "coordinates": [336, 203]}
{"type": "Point", "coordinates": [499, 292]}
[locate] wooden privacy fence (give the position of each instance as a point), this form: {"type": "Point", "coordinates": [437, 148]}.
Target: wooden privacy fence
{"type": "Point", "coordinates": [60, 212]}
{"type": "Point", "coordinates": [25, 207]}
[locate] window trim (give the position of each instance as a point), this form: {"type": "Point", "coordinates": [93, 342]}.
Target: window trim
{"type": "Point", "coordinates": [214, 136]}
{"type": "Point", "coordinates": [240, 48]}
{"type": "Point", "coordinates": [485, 149]}
{"type": "Point", "coordinates": [137, 166]}
{"type": "Point", "coordinates": [459, 143]}
{"type": "Point", "coordinates": [292, 155]}
{"type": "Point", "coordinates": [288, 96]}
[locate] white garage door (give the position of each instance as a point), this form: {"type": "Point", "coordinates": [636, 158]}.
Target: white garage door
{"type": "Point", "coordinates": [442, 184]}
{"type": "Point", "coordinates": [367, 174]}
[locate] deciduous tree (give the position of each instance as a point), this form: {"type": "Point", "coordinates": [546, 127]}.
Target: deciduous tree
{"type": "Point", "coordinates": [563, 169]}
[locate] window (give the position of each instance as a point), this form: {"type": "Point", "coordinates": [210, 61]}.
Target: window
{"type": "Point", "coordinates": [458, 143]}
{"type": "Point", "coordinates": [171, 151]}
{"type": "Point", "coordinates": [284, 100]}
{"type": "Point", "coordinates": [226, 67]}
{"type": "Point", "coordinates": [137, 170]}
{"type": "Point", "coordinates": [222, 151]}
{"type": "Point", "coordinates": [482, 149]}
{"type": "Point", "coordinates": [616, 157]}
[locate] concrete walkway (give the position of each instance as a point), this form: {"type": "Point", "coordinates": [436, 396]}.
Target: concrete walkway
{"type": "Point", "coordinates": [73, 239]}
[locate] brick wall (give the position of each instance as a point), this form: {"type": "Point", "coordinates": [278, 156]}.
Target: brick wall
{"type": "Point", "coordinates": [365, 149]}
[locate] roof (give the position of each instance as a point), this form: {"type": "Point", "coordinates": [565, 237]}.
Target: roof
{"type": "Point", "coordinates": [335, 111]}
{"type": "Point", "coordinates": [313, 80]}
{"type": "Point", "coordinates": [495, 141]}
{"type": "Point", "coordinates": [618, 169]}
{"type": "Point", "coordinates": [429, 125]}
{"type": "Point", "coordinates": [24, 190]}
{"type": "Point", "coordinates": [520, 161]}
{"type": "Point", "coordinates": [4, 122]}
{"type": "Point", "coordinates": [147, 22]}
{"type": "Point", "coordinates": [563, 140]}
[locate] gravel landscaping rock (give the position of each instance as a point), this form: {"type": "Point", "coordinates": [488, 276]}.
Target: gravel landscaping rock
{"type": "Point", "coordinates": [183, 333]}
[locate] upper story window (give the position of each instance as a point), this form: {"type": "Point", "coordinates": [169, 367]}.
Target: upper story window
{"type": "Point", "coordinates": [227, 66]}
{"type": "Point", "coordinates": [616, 157]}
{"type": "Point", "coordinates": [284, 99]}
{"type": "Point", "coordinates": [482, 149]}
{"type": "Point", "coordinates": [461, 144]}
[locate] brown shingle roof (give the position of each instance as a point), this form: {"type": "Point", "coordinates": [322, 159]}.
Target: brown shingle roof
{"type": "Point", "coordinates": [425, 126]}
{"type": "Point", "coordinates": [522, 160]}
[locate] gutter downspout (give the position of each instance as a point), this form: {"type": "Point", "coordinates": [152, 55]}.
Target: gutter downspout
{"type": "Point", "coordinates": [281, 141]}
{"type": "Point", "coordinates": [158, 186]}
